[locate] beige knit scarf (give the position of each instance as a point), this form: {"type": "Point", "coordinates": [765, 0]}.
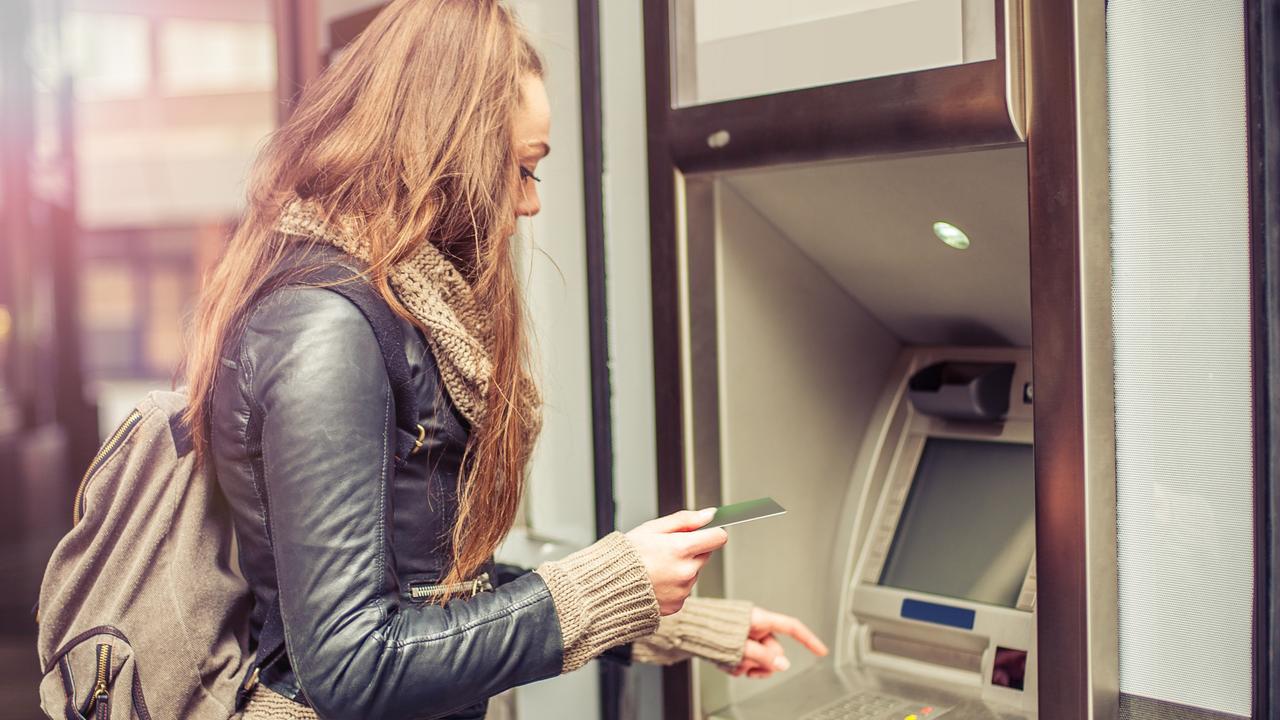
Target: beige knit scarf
{"type": "Point", "coordinates": [430, 287]}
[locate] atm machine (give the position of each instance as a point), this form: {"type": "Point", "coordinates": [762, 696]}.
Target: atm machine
{"type": "Point", "coordinates": [937, 610]}
{"type": "Point", "coordinates": [874, 375]}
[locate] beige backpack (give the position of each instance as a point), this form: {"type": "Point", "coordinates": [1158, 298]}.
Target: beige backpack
{"type": "Point", "coordinates": [142, 614]}
{"type": "Point", "coordinates": [146, 572]}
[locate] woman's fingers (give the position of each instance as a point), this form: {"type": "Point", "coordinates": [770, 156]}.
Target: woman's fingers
{"type": "Point", "coordinates": [702, 542]}
{"type": "Point", "coordinates": [757, 653]}
{"type": "Point", "coordinates": [766, 655]}
{"type": "Point", "coordinates": [779, 655]}
{"type": "Point", "coordinates": [673, 551]}
{"type": "Point", "coordinates": [680, 521]}
{"type": "Point", "coordinates": [780, 661]}
{"type": "Point", "coordinates": [763, 655]}
{"type": "Point", "coordinates": [765, 623]}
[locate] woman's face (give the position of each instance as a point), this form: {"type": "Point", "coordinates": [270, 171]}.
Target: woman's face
{"type": "Point", "coordinates": [531, 130]}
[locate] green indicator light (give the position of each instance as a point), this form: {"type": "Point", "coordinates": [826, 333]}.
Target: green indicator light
{"type": "Point", "coordinates": [951, 235]}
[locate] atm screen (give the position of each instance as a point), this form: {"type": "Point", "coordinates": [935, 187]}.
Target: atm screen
{"type": "Point", "coordinates": [968, 528]}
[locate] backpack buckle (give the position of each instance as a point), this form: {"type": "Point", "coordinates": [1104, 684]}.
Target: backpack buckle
{"type": "Point", "coordinates": [417, 444]}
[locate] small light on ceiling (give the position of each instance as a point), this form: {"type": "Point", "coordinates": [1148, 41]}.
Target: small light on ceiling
{"type": "Point", "coordinates": [951, 235]}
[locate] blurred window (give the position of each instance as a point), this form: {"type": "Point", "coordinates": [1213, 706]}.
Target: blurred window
{"type": "Point", "coordinates": [203, 57]}
{"type": "Point", "coordinates": [170, 111]}
{"type": "Point", "coordinates": [109, 55]}
{"type": "Point", "coordinates": [170, 299]}
{"type": "Point", "coordinates": [109, 313]}
{"type": "Point", "coordinates": [107, 298]}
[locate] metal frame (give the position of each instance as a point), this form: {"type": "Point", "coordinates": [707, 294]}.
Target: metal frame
{"type": "Point", "coordinates": [899, 114]}
{"type": "Point", "coordinates": [1072, 355]}
{"type": "Point", "coordinates": [611, 678]}
{"type": "Point", "coordinates": [1262, 45]}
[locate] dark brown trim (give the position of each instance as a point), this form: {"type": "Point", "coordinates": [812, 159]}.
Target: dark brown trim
{"type": "Point", "coordinates": [76, 414]}
{"type": "Point", "coordinates": [343, 30]}
{"type": "Point", "coordinates": [1262, 44]}
{"type": "Point", "coordinates": [597, 300]}
{"type": "Point", "coordinates": [597, 305]}
{"type": "Point", "coordinates": [662, 228]}
{"type": "Point", "coordinates": [1057, 356]}
{"type": "Point", "coordinates": [677, 680]}
{"type": "Point", "coordinates": [297, 50]}
{"type": "Point", "coordinates": [878, 116]}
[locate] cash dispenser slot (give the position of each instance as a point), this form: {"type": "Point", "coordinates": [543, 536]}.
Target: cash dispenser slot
{"type": "Point", "coordinates": [965, 658]}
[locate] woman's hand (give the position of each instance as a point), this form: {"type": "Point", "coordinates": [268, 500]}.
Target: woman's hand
{"type": "Point", "coordinates": [763, 654]}
{"type": "Point", "coordinates": [674, 550]}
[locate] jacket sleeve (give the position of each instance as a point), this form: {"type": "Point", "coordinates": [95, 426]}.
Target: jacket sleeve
{"type": "Point", "coordinates": [317, 384]}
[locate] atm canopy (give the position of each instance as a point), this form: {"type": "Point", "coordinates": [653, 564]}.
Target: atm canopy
{"type": "Point", "coordinates": [870, 223]}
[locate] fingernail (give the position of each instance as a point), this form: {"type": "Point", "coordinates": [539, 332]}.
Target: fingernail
{"type": "Point", "coordinates": [781, 663]}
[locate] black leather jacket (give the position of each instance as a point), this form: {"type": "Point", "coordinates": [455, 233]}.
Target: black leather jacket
{"type": "Point", "coordinates": [299, 438]}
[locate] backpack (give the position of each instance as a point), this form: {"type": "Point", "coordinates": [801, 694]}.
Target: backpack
{"type": "Point", "coordinates": [142, 610]}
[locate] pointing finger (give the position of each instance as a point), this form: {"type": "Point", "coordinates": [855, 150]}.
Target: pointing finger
{"type": "Point", "coordinates": [796, 629]}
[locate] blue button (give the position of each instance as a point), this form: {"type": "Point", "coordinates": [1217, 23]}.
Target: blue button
{"type": "Point", "coordinates": [938, 614]}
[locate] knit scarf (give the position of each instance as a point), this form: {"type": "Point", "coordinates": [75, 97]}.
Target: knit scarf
{"type": "Point", "coordinates": [440, 298]}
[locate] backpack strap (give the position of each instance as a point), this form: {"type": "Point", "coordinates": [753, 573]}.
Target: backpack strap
{"type": "Point", "coordinates": [335, 274]}
{"type": "Point", "coordinates": [389, 333]}
{"type": "Point", "coordinates": [270, 648]}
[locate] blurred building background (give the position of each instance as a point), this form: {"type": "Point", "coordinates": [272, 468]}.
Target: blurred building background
{"type": "Point", "coordinates": [127, 128]}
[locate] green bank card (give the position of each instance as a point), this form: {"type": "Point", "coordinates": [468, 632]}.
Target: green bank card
{"type": "Point", "coordinates": [745, 511]}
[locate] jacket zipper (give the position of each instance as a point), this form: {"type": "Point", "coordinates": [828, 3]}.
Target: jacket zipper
{"type": "Point", "coordinates": [110, 446]}
{"type": "Point", "coordinates": [100, 701]}
{"type": "Point", "coordinates": [471, 587]}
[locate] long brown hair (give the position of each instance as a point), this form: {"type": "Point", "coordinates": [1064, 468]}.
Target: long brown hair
{"type": "Point", "coordinates": [408, 133]}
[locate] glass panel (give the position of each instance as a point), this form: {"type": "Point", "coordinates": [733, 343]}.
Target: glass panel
{"type": "Point", "coordinates": [1181, 312]}
{"type": "Point", "coordinates": [727, 49]}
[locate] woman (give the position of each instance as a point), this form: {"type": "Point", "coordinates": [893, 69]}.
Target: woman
{"type": "Point", "coordinates": [409, 162]}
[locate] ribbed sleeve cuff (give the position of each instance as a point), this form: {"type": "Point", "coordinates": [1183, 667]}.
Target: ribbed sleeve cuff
{"type": "Point", "coordinates": [603, 598]}
{"type": "Point", "coordinates": [708, 628]}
